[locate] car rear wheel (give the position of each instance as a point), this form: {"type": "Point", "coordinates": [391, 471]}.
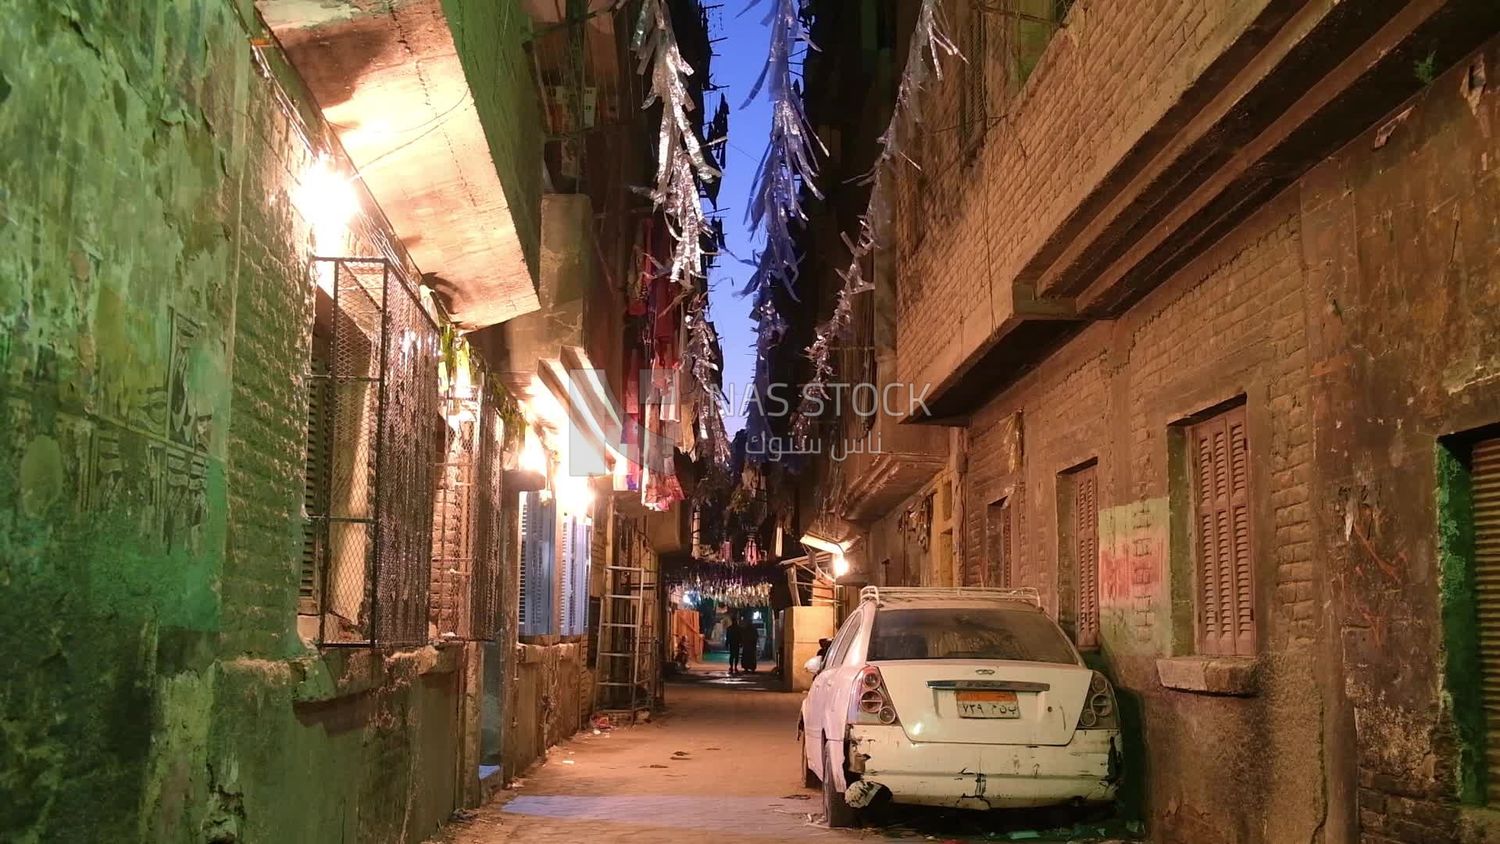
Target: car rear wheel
{"type": "Point", "coordinates": [836, 812]}
{"type": "Point", "coordinates": [809, 779]}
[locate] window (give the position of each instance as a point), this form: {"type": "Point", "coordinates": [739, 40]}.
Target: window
{"type": "Point", "coordinates": [374, 435]}
{"type": "Point", "coordinates": [578, 540]}
{"type": "Point", "coordinates": [967, 633]}
{"type": "Point", "coordinates": [538, 592]}
{"type": "Point", "coordinates": [1035, 22]}
{"type": "Point", "coordinates": [973, 96]}
{"type": "Point", "coordinates": [1078, 554]}
{"type": "Point", "coordinates": [556, 549]}
{"type": "Point", "coordinates": [1219, 455]}
{"type": "Point", "coordinates": [840, 646]}
{"type": "Point", "coordinates": [1000, 533]}
{"type": "Point", "coordinates": [1468, 502]}
{"type": "Point", "coordinates": [466, 525]}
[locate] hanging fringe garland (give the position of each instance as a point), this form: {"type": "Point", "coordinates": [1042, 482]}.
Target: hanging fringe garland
{"type": "Point", "coordinates": [788, 166]}
{"type": "Point", "coordinates": [680, 168]}
{"type": "Point", "coordinates": [929, 45]}
{"type": "Point", "coordinates": [699, 358]}
{"type": "Point", "coordinates": [680, 162]}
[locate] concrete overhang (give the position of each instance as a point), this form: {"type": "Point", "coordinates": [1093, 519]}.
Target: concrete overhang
{"type": "Point", "coordinates": [389, 80]}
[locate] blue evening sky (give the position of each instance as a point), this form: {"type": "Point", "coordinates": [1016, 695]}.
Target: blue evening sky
{"type": "Point", "coordinates": [739, 55]}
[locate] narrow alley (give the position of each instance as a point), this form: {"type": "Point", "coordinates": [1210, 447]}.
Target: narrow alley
{"type": "Point", "coordinates": [721, 758]}
{"type": "Point", "coordinates": [532, 421]}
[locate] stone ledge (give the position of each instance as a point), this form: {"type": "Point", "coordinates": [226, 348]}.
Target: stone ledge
{"type": "Point", "coordinates": [1209, 675]}
{"type": "Point", "coordinates": [344, 672]}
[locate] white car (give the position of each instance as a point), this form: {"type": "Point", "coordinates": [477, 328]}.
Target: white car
{"type": "Point", "coordinates": [970, 698]}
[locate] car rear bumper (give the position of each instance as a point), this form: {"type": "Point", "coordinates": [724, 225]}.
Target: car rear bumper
{"type": "Point", "coordinates": [982, 776]}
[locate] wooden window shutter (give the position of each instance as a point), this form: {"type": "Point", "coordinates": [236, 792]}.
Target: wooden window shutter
{"type": "Point", "coordinates": [1086, 552]}
{"type": "Point", "coordinates": [569, 550]}
{"type": "Point", "coordinates": [315, 491]}
{"type": "Point", "coordinates": [1221, 498]}
{"type": "Point", "coordinates": [527, 514]}
{"type": "Point", "coordinates": [1485, 486]}
{"type": "Point", "coordinates": [577, 541]}
{"type": "Point", "coordinates": [538, 584]}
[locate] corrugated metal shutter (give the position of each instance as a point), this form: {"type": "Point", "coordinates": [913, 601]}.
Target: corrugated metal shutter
{"type": "Point", "coordinates": [1086, 552]}
{"type": "Point", "coordinates": [1485, 478]}
{"type": "Point", "coordinates": [1221, 471]}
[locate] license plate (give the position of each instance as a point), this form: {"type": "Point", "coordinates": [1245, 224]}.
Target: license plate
{"type": "Point", "coordinates": [988, 704]}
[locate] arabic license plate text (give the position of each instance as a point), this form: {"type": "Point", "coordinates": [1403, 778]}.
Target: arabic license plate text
{"type": "Point", "coordinates": [988, 704]}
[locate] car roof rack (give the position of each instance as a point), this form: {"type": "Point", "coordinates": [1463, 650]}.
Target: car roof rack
{"type": "Point", "coordinates": [896, 594]}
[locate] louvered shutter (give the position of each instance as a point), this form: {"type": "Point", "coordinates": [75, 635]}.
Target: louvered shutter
{"type": "Point", "coordinates": [1086, 552]}
{"type": "Point", "coordinates": [569, 573]}
{"type": "Point", "coordinates": [538, 616]}
{"type": "Point", "coordinates": [528, 513]}
{"type": "Point", "coordinates": [315, 492]}
{"type": "Point", "coordinates": [1221, 471]}
{"type": "Point", "coordinates": [1485, 477]}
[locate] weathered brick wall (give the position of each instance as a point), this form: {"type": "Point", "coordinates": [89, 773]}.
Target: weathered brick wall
{"type": "Point", "coordinates": [1403, 249]}
{"type": "Point", "coordinates": [1109, 75]}
{"type": "Point", "coordinates": [1355, 316]}
{"type": "Point", "coordinates": [1230, 324]}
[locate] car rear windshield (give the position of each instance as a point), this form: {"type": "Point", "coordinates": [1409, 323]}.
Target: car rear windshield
{"type": "Point", "coordinates": [967, 633]}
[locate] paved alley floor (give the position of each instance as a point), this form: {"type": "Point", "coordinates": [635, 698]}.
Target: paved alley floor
{"type": "Point", "coordinates": [719, 764]}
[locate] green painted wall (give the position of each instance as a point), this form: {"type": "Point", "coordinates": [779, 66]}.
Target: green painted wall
{"type": "Point", "coordinates": [153, 331]}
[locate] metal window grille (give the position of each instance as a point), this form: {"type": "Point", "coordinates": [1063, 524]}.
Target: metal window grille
{"type": "Point", "coordinates": [1221, 496]}
{"type": "Point", "coordinates": [1085, 542]}
{"type": "Point", "coordinates": [1002, 542]}
{"type": "Point", "coordinates": [384, 430]}
{"type": "Point", "coordinates": [466, 528]}
{"type": "Point", "coordinates": [538, 582]}
{"type": "Point", "coordinates": [490, 531]}
{"type": "Point", "coordinates": [974, 96]}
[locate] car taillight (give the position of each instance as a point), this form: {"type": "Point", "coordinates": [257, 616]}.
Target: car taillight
{"type": "Point", "coordinates": [1099, 710]}
{"type": "Point", "coordinates": [870, 703]}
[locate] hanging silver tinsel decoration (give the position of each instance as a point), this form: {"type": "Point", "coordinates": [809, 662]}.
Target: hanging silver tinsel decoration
{"type": "Point", "coordinates": [680, 162]}
{"type": "Point", "coordinates": [699, 356]}
{"type": "Point", "coordinates": [929, 45]}
{"type": "Point", "coordinates": [680, 167]}
{"type": "Point", "coordinates": [789, 163]}
{"type": "Point", "coordinates": [788, 166]}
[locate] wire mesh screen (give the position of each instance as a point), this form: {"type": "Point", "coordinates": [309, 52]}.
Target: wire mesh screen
{"type": "Point", "coordinates": [411, 431]}
{"type": "Point", "coordinates": [466, 528]}
{"type": "Point", "coordinates": [454, 525]}
{"type": "Point", "coordinates": [490, 536]}
{"type": "Point", "coordinates": [383, 427]}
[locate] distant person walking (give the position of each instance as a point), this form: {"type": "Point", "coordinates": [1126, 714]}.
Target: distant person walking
{"type": "Point", "coordinates": [749, 650]}
{"type": "Point", "coordinates": [732, 641]}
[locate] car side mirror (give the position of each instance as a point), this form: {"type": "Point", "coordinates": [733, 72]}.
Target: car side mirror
{"type": "Point", "coordinates": [814, 665]}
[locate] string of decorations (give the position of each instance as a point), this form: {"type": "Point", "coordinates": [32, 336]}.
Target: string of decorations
{"type": "Point", "coordinates": [722, 594]}
{"type": "Point", "coordinates": [681, 167]}
{"type": "Point", "coordinates": [788, 164]}
{"type": "Point", "coordinates": [680, 162]}
{"type": "Point", "coordinates": [924, 58]}
{"type": "Point", "coordinates": [787, 167]}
